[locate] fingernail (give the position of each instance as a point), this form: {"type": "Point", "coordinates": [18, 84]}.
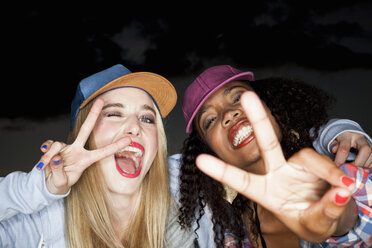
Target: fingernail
{"type": "Point", "coordinates": [341, 199]}
{"type": "Point", "coordinates": [347, 181]}
{"type": "Point", "coordinates": [332, 146]}
{"type": "Point", "coordinates": [56, 161]}
{"type": "Point", "coordinates": [40, 165]}
{"type": "Point", "coordinates": [44, 147]}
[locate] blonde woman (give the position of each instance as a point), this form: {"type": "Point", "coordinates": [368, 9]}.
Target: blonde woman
{"type": "Point", "coordinates": [109, 187]}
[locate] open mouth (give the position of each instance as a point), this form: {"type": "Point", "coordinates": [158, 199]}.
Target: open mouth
{"type": "Point", "coordinates": [129, 160]}
{"type": "Point", "coordinates": [241, 134]}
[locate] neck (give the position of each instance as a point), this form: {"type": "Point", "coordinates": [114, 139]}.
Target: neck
{"type": "Point", "coordinates": [122, 209]}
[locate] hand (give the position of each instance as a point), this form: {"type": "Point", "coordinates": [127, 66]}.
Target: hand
{"type": "Point", "coordinates": [64, 164]}
{"type": "Point", "coordinates": [295, 191]}
{"type": "Point", "coordinates": [342, 144]}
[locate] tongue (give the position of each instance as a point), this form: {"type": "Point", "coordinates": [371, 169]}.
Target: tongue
{"type": "Point", "coordinates": [127, 165]}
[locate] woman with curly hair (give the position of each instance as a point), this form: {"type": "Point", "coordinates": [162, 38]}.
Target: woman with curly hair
{"type": "Point", "coordinates": [218, 125]}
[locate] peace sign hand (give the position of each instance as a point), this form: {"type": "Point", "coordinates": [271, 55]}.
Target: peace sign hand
{"type": "Point", "coordinates": [307, 192]}
{"type": "Point", "coordinates": [64, 164]}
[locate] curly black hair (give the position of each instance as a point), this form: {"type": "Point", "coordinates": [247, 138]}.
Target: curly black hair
{"type": "Point", "coordinates": [297, 108]}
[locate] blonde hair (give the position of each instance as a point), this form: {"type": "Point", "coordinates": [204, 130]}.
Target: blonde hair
{"type": "Point", "coordinates": [87, 208]}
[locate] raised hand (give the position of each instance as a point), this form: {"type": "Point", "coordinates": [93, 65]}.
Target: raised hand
{"type": "Point", "coordinates": [308, 193]}
{"type": "Point", "coordinates": [64, 164]}
{"type": "Point", "coordinates": [341, 148]}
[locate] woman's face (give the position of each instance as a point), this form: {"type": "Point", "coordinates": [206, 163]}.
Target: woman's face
{"type": "Point", "coordinates": [222, 123]}
{"type": "Point", "coordinates": [127, 112]}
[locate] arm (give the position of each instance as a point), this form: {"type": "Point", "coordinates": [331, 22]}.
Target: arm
{"type": "Point", "coordinates": [25, 193]}
{"type": "Point", "coordinates": [358, 211]}
{"type": "Point", "coordinates": [338, 136]}
{"type": "Point", "coordinates": [30, 230]}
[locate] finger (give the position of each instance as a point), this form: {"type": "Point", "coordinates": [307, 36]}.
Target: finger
{"type": "Point", "coordinates": [58, 182]}
{"type": "Point", "coordinates": [334, 146]}
{"type": "Point", "coordinates": [342, 151]}
{"type": "Point", "coordinates": [368, 163]}
{"type": "Point", "coordinates": [249, 185]}
{"type": "Point", "coordinates": [322, 167]}
{"type": "Point", "coordinates": [89, 122]}
{"type": "Point", "coordinates": [58, 174]}
{"type": "Point", "coordinates": [56, 160]}
{"type": "Point", "coordinates": [108, 150]}
{"type": "Point", "coordinates": [323, 215]}
{"type": "Point", "coordinates": [267, 140]}
{"type": "Point", "coordinates": [54, 149]}
{"type": "Point", "coordinates": [46, 145]}
{"type": "Point", "coordinates": [364, 151]}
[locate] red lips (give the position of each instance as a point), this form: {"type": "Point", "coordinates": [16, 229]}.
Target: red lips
{"type": "Point", "coordinates": [234, 129]}
{"type": "Point", "coordinates": [122, 162]}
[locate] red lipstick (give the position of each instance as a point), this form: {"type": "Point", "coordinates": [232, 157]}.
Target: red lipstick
{"type": "Point", "coordinates": [243, 139]}
{"type": "Point", "coordinates": [133, 158]}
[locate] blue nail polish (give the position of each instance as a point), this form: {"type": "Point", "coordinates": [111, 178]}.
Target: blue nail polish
{"type": "Point", "coordinates": [40, 165]}
{"type": "Point", "coordinates": [56, 161]}
{"type": "Point", "coordinates": [44, 147]}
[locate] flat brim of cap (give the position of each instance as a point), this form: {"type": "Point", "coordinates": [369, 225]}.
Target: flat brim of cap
{"type": "Point", "coordinates": [241, 76]}
{"type": "Point", "coordinates": [160, 89]}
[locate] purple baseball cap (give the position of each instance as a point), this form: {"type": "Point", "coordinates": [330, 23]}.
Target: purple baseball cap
{"type": "Point", "coordinates": [205, 85]}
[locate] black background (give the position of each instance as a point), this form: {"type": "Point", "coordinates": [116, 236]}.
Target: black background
{"type": "Point", "coordinates": [47, 50]}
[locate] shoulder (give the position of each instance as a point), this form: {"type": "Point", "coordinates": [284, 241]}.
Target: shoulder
{"type": "Point", "coordinates": [175, 234]}
{"type": "Point", "coordinates": [174, 161]}
{"type": "Point", "coordinates": [174, 164]}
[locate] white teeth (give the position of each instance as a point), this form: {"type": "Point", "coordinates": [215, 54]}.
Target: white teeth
{"type": "Point", "coordinates": [138, 152]}
{"type": "Point", "coordinates": [242, 134]}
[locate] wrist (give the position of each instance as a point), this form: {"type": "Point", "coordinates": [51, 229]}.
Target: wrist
{"type": "Point", "coordinates": [54, 190]}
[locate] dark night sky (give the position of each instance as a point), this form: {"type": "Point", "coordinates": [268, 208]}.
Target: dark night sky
{"type": "Point", "coordinates": [47, 50]}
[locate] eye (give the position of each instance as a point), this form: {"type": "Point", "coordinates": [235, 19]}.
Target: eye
{"type": "Point", "coordinates": [207, 122]}
{"type": "Point", "coordinates": [236, 96]}
{"type": "Point", "coordinates": [113, 114]}
{"type": "Point", "coordinates": [147, 119]}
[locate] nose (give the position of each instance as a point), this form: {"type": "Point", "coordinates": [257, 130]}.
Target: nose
{"type": "Point", "coordinates": [230, 115]}
{"type": "Point", "coordinates": [132, 126]}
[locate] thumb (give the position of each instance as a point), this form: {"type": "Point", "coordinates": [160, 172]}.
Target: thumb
{"type": "Point", "coordinates": [322, 218]}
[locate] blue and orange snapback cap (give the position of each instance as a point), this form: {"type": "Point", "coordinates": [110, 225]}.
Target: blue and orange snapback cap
{"type": "Point", "coordinates": [159, 88]}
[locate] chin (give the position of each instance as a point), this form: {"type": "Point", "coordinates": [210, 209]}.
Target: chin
{"type": "Point", "coordinates": [124, 188]}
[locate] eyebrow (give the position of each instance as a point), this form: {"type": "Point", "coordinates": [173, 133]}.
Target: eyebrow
{"type": "Point", "coordinates": [119, 105]}
{"type": "Point", "coordinates": [111, 105]}
{"type": "Point", "coordinates": [148, 107]}
{"type": "Point", "coordinates": [228, 90]}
